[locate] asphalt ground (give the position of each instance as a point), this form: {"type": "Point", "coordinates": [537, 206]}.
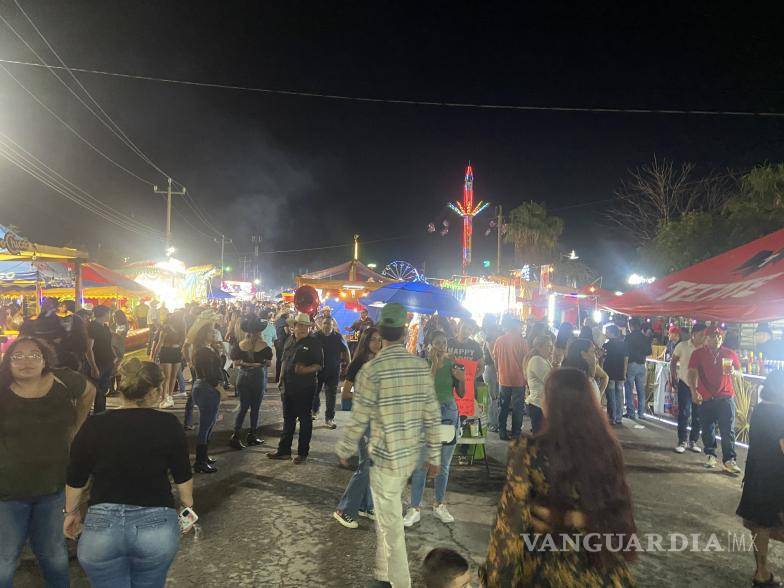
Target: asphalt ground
{"type": "Point", "coordinates": [268, 523]}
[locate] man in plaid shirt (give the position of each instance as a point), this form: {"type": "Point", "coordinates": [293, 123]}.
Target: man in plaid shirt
{"type": "Point", "coordinates": [394, 395]}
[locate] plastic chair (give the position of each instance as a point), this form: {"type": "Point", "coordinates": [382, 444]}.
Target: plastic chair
{"type": "Point", "coordinates": [475, 442]}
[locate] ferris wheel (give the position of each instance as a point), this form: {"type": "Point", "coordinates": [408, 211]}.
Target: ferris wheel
{"type": "Point", "coordinates": [402, 271]}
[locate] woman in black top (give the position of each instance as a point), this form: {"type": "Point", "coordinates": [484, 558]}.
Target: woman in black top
{"type": "Point", "coordinates": [168, 351]}
{"type": "Point", "coordinates": [41, 408]}
{"type": "Point", "coordinates": [131, 531]}
{"type": "Point", "coordinates": [762, 503]}
{"type": "Point", "coordinates": [251, 355]}
{"type": "Point", "coordinates": [208, 373]}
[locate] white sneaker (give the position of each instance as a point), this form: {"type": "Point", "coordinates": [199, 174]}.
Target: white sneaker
{"type": "Point", "coordinates": [694, 447]}
{"type": "Point", "coordinates": [731, 467]}
{"type": "Point", "coordinates": [412, 517]}
{"type": "Point", "coordinates": [681, 448]}
{"type": "Point", "coordinates": [167, 403]}
{"type": "Point", "coordinates": [443, 514]}
{"type": "Point", "coordinates": [711, 463]}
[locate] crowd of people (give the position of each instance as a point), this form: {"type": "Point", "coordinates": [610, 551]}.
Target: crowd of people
{"type": "Point", "coordinates": [99, 480]}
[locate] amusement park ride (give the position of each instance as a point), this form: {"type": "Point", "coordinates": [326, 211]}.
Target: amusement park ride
{"type": "Point", "coordinates": [468, 210]}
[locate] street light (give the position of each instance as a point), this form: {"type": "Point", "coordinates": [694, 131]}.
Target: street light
{"type": "Point", "coordinates": [170, 251]}
{"type": "Point", "coordinates": [257, 281]}
{"type": "Point", "coordinates": [573, 255]}
{"type": "Point", "coordinates": [372, 265]}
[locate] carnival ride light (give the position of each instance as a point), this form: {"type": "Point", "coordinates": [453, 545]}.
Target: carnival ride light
{"type": "Point", "coordinates": [597, 316]}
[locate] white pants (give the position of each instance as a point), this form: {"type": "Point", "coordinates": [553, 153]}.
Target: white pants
{"type": "Point", "coordinates": [391, 555]}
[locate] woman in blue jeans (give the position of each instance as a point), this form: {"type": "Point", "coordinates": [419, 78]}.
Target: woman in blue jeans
{"type": "Point", "coordinates": [207, 374]}
{"type": "Point", "coordinates": [447, 377]}
{"type": "Point", "coordinates": [41, 408]}
{"type": "Point", "coordinates": [131, 532]}
{"type": "Point", "coordinates": [357, 499]}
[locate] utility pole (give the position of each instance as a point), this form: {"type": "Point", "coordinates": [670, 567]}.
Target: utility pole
{"type": "Point", "coordinates": [499, 222]}
{"type": "Point", "coordinates": [244, 261]}
{"type": "Point", "coordinates": [169, 193]}
{"type": "Point", "coordinates": [223, 241]}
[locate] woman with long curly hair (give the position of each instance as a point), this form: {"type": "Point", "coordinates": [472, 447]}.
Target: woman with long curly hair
{"type": "Point", "coordinates": [575, 465]}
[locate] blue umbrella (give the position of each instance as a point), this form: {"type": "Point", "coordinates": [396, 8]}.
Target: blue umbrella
{"type": "Point", "coordinates": [416, 297]}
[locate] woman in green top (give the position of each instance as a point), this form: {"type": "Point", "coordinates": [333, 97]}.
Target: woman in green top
{"type": "Point", "coordinates": [447, 376]}
{"type": "Point", "coordinates": [41, 408]}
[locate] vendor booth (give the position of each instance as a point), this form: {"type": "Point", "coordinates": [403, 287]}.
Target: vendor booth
{"type": "Point", "coordinates": [744, 285]}
{"type": "Point", "coordinates": [172, 282]}
{"type": "Point", "coordinates": [20, 253]}
{"type": "Point", "coordinates": [350, 280]}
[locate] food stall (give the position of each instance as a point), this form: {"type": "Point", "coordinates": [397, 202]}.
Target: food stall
{"type": "Point", "coordinates": [19, 250]}
{"type": "Point", "coordinates": [743, 285]}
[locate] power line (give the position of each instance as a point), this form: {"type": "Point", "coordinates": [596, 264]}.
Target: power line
{"type": "Point", "coordinates": [113, 127]}
{"type": "Point", "coordinates": [31, 159]}
{"type": "Point", "coordinates": [72, 192]}
{"type": "Point", "coordinates": [74, 131]}
{"type": "Point", "coordinates": [409, 102]}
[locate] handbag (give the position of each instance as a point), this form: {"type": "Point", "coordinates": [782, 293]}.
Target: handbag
{"type": "Point", "coordinates": [447, 432]}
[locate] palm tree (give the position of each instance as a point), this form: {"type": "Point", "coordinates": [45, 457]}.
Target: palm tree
{"type": "Point", "coordinates": [534, 233]}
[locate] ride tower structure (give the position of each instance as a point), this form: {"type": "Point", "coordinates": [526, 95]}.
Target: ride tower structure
{"type": "Point", "coordinates": [468, 210]}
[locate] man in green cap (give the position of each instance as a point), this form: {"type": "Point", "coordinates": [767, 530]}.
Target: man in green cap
{"type": "Point", "coordinates": [395, 397]}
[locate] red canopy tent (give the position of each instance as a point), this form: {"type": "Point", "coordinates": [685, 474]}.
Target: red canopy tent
{"type": "Point", "coordinates": [745, 284]}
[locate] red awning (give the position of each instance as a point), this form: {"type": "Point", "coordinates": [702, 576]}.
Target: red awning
{"type": "Point", "coordinates": [745, 284]}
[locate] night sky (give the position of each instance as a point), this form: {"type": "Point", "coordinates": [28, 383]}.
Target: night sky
{"type": "Point", "coordinates": [308, 172]}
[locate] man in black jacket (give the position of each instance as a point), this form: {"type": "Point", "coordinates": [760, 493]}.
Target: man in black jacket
{"type": "Point", "coordinates": [302, 361]}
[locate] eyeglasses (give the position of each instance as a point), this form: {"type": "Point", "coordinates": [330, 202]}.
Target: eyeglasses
{"type": "Point", "coordinates": [34, 356]}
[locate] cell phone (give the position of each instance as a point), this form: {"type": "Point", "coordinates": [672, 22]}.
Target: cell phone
{"type": "Point", "coordinates": [187, 519]}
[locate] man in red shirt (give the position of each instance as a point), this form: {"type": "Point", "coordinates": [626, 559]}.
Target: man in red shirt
{"type": "Point", "coordinates": [509, 353]}
{"type": "Point", "coordinates": [710, 380]}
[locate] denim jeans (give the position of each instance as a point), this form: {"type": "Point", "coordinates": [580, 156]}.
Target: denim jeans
{"type": "Point", "coordinates": [490, 376]}
{"type": "Point", "coordinates": [180, 380]}
{"type": "Point", "coordinates": [615, 392]}
{"type": "Point", "coordinates": [721, 411]}
{"type": "Point", "coordinates": [636, 376]}
{"type": "Point", "coordinates": [251, 384]}
{"type": "Point", "coordinates": [39, 519]}
{"type": "Point", "coordinates": [419, 477]}
{"type": "Point", "coordinates": [102, 389]}
{"type": "Point", "coordinates": [357, 495]}
{"type": "Point", "coordinates": [537, 418]}
{"type": "Point", "coordinates": [686, 410]}
{"type": "Point", "coordinates": [330, 385]}
{"type": "Point", "coordinates": [207, 399]}
{"type": "Point", "coordinates": [511, 397]}
{"type": "Point", "coordinates": [123, 545]}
